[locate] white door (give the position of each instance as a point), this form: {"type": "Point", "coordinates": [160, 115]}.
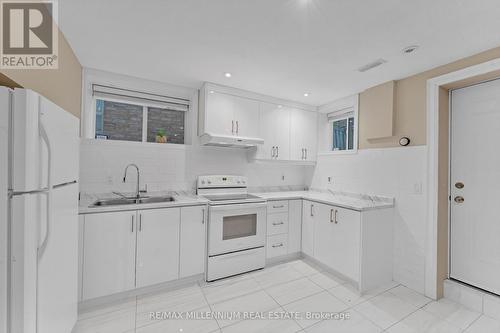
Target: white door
{"type": "Point", "coordinates": [303, 135]}
{"type": "Point", "coordinates": [308, 219]}
{"type": "Point", "coordinates": [246, 116]}
{"type": "Point", "coordinates": [275, 130]}
{"type": "Point", "coordinates": [108, 253]}
{"type": "Point", "coordinates": [475, 164]}
{"type": "Point", "coordinates": [219, 115]}
{"type": "Point", "coordinates": [193, 240]}
{"type": "Point", "coordinates": [157, 246]}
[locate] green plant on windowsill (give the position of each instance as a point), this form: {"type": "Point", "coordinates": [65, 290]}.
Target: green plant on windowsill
{"type": "Point", "coordinates": [161, 136]}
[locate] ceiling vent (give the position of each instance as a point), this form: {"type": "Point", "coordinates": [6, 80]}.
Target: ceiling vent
{"type": "Point", "coordinates": [372, 65]}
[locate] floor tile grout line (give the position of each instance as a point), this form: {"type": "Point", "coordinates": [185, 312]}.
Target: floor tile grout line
{"type": "Point", "coordinates": [209, 306]}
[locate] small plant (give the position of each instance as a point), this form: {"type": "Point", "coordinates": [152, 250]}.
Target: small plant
{"type": "Point", "coordinates": [161, 136]}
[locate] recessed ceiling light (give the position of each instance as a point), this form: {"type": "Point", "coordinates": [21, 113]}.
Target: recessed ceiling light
{"type": "Point", "coordinates": [306, 94]}
{"type": "Point", "coordinates": [280, 106]}
{"type": "Point", "coordinates": [227, 74]}
{"type": "Point", "coordinates": [211, 91]}
{"type": "Point", "coordinates": [410, 49]}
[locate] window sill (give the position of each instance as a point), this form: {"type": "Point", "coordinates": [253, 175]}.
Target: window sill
{"type": "Point", "coordinates": [119, 143]}
{"type": "Point", "coordinates": [338, 152]}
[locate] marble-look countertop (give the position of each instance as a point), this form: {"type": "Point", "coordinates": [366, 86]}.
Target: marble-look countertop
{"type": "Point", "coordinates": [354, 201]}
{"type": "Point", "coordinates": [182, 199]}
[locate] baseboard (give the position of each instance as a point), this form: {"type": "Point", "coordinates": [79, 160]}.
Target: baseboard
{"type": "Point", "coordinates": [473, 298]}
{"type": "Point", "coordinates": [120, 297]}
{"type": "Point", "coordinates": [329, 270]}
{"type": "Point", "coordinates": [283, 259]}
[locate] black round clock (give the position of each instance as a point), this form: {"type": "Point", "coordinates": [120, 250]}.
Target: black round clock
{"type": "Point", "coordinates": [404, 141]}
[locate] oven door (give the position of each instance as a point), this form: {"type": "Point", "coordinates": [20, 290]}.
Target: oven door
{"type": "Point", "coordinates": [236, 227]}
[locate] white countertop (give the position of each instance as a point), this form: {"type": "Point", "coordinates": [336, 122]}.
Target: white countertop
{"type": "Point", "coordinates": [182, 199]}
{"type": "Point", "coordinates": [354, 201]}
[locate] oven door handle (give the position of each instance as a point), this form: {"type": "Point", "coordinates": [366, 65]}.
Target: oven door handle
{"type": "Point", "coordinates": [233, 207]}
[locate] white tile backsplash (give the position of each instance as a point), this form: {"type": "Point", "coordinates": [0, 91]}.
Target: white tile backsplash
{"type": "Point", "coordinates": [392, 172]}
{"type": "Point", "coordinates": [173, 167]}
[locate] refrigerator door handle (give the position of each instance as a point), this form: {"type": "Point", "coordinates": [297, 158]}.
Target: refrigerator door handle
{"type": "Point", "coordinates": [45, 139]}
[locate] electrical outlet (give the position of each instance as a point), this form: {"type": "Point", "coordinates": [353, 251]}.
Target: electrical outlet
{"type": "Point", "coordinates": [417, 188]}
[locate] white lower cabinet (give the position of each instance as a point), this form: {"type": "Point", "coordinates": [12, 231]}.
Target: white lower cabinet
{"type": "Point", "coordinates": [308, 210]}
{"type": "Point", "coordinates": [108, 253]}
{"type": "Point", "coordinates": [294, 225]}
{"type": "Point", "coordinates": [358, 245]}
{"type": "Point", "coordinates": [193, 240]}
{"type": "Point", "coordinates": [157, 246]}
{"type": "Point", "coordinates": [122, 251]}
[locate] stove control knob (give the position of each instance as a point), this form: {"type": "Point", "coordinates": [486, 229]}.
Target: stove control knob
{"type": "Point", "coordinates": [209, 182]}
{"type": "Point", "coordinates": [243, 181]}
{"type": "Point", "coordinates": [238, 182]}
{"type": "Point", "coordinates": [203, 182]}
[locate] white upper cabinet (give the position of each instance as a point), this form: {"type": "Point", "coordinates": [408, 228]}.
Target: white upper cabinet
{"type": "Point", "coordinates": [226, 114]}
{"type": "Point", "coordinates": [303, 135]}
{"type": "Point", "coordinates": [275, 130]}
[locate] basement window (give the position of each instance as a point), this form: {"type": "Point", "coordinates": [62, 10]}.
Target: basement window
{"type": "Point", "coordinates": [343, 130]}
{"type": "Point", "coordinates": [127, 115]}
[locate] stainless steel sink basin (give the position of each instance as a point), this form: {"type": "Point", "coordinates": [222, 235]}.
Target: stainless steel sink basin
{"type": "Point", "coordinates": [131, 201]}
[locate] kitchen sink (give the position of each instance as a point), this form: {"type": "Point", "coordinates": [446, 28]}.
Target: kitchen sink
{"type": "Point", "coordinates": [131, 201]}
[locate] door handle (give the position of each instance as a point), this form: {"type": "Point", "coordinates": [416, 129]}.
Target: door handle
{"type": "Point", "coordinates": [459, 199]}
{"type": "Point", "coordinates": [459, 185]}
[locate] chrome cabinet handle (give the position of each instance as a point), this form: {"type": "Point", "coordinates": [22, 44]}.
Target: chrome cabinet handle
{"type": "Point", "coordinates": [278, 223]}
{"type": "Point", "coordinates": [203, 216]}
{"type": "Point", "coordinates": [237, 127]}
{"type": "Point", "coordinates": [303, 153]}
{"type": "Point", "coordinates": [280, 206]}
{"type": "Point", "coordinates": [335, 216]}
{"type": "Point", "coordinates": [232, 126]}
{"type": "Point", "coordinates": [132, 223]}
{"type": "Point", "coordinates": [272, 152]}
{"type": "Point", "coordinates": [312, 214]}
{"type": "Point", "coordinates": [278, 245]}
{"type": "Point", "coordinates": [140, 222]}
{"type": "Point", "coordinates": [305, 150]}
{"type": "Point", "coordinates": [331, 215]}
{"type": "Point", "coordinates": [277, 151]}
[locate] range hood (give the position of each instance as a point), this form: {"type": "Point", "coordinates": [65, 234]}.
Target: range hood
{"type": "Point", "coordinates": [229, 141]}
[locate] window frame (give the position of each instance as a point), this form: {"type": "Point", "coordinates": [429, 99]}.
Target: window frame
{"type": "Point", "coordinates": [345, 117]}
{"type": "Point", "coordinates": [92, 77]}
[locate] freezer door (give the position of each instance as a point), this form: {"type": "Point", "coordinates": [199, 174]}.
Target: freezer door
{"type": "Point", "coordinates": [42, 133]}
{"type": "Point", "coordinates": [25, 219]}
{"type": "Point", "coordinates": [58, 266]}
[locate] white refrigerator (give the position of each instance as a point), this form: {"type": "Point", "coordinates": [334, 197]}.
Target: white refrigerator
{"type": "Point", "coordinates": [39, 147]}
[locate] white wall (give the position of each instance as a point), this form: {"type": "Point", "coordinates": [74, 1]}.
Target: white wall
{"type": "Point", "coordinates": [395, 172]}
{"type": "Point", "coordinates": [172, 167]}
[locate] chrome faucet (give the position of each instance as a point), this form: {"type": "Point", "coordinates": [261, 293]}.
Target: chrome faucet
{"type": "Point", "coordinates": [137, 191]}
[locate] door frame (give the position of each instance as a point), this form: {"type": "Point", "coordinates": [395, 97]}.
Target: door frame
{"type": "Point", "coordinates": [433, 86]}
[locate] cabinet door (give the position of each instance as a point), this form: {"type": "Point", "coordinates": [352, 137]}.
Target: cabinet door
{"type": "Point", "coordinates": [219, 113]}
{"type": "Point", "coordinates": [294, 225]}
{"type": "Point", "coordinates": [275, 130]}
{"type": "Point", "coordinates": [193, 240]}
{"type": "Point", "coordinates": [108, 253]}
{"type": "Point", "coordinates": [246, 116]}
{"type": "Point", "coordinates": [345, 254]}
{"type": "Point", "coordinates": [324, 235]}
{"type": "Point", "coordinates": [157, 246]}
{"type": "Point", "coordinates": [308, 219]}
{"type": "Point", "coordinates": [303, 135]}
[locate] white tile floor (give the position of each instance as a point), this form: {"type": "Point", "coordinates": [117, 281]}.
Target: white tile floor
{"type": "Point", "coordinates": [287, 288]}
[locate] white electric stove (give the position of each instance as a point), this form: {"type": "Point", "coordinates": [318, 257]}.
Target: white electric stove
{"type": "Point", "coordinates": [236, 226]}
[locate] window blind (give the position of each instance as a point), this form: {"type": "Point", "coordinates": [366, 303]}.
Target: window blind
{"type": "Point", "coordinates": [142, 98]}
{"type": "Point", "coordinates": [340, 113]}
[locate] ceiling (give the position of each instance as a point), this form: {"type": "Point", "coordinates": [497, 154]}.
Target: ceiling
{"type": "Point", "coordinates": [281, 48]}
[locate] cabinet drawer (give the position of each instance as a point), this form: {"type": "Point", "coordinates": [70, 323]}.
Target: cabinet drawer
{"type": "Point", "coordinates": [277, 245]}
{"type": "Point", "coordinates": [277, 224]}
{"type": "Point", "coordinates": [280, 206]}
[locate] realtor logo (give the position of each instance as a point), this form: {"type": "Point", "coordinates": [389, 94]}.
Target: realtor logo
{"type": "Point", "coordinates": [29, 35]}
